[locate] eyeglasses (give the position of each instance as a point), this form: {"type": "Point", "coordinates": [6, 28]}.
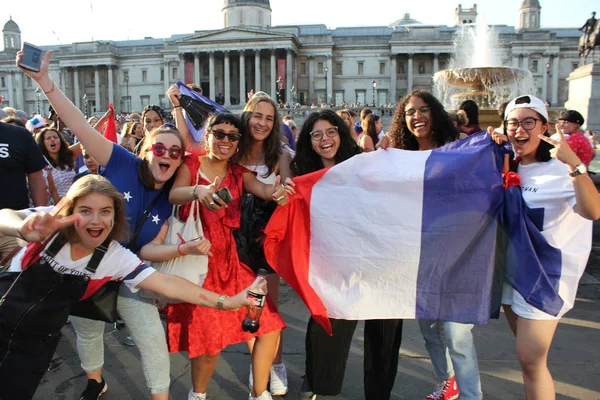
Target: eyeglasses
{"type": "Point", "coordinates": [527, 124]}
{"type": "Point", "coordinates": [422, 110]}
{"type": "Point", "coordinates": [220, 135]}
{"type": "Point", "coordinates": [159, 150]}
{"type": "Point", "coordinates": [318, 135]}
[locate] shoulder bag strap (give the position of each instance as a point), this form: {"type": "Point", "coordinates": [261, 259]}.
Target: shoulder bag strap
{"type": "Point", "coordinates": [140, 223]}
{"type": "Point", "coordinates": [97, 256]}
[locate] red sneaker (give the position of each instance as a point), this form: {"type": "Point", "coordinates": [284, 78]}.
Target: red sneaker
{"type": "Point", "coordinates": [446, 390]}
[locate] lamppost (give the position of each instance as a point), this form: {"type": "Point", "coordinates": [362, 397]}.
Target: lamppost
{"type": "Point", "coordinates": [374, 87]}
{"type": "Point", "coordinates": [38, 92]}
{"type": "Point", "coordinates": [326, 88]}
{"type": "Point", "coordinates": [85, 105]}
{"type": "Point", "coordinates": [127, 99]}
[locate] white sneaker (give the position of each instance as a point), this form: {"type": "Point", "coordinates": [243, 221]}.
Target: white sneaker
{"type": "Point", "coordinates": [279, 381]}
{"type": "Point", "coordinates": [196, 396]}
{"type": "Point", "coordinates": [264, 396]}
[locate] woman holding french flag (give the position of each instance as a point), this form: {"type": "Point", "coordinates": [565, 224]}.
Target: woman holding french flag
{"type": "Point", "coordinates": [556, 186]}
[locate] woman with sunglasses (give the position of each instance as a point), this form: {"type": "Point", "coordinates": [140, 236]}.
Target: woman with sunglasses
{"type": "Point", "coordinates": [189, 330]}
{"type": "Point", "coordinates": [554, 179]}
{"type": "Point", "coordinates": [144, 183]}
{"type": "Point", "coordinates": [421, 123]}
{"type": "Point", "coordinates": [262, 150]}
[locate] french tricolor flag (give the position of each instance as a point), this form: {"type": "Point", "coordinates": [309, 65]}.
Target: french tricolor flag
{"type": "Point", "coordinates": [401, 234]}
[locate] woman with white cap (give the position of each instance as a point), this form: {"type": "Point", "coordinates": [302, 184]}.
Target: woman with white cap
{"type": "Point", "coordinates": [554, 179]}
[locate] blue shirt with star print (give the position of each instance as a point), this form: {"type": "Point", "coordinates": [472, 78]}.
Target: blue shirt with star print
{"type": "Point", "coordinates": [122, 172]}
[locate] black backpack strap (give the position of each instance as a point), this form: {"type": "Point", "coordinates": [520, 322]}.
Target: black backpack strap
{"type": "Point", "coordinates": [59, 242]}
{"type": "Point", "coordinates": [97, 256]}
{"type": "Point", "coordinates": [140, 223]}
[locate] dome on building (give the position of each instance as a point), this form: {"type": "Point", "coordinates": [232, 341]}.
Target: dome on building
{"type": "Point", "coordinates": [11, 26]}
{"type": "Point", "coordinates": [530, 3]}
{"type": "Point", "coordinates": [234, 3]}
{"type": "Point", "coordinates": [405, 20]}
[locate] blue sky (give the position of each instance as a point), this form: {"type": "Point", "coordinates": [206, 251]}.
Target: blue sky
{"type": "Point", "coordinates": [62, 21]}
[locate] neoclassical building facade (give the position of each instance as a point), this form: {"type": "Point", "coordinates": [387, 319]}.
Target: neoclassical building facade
{"type": "Point", "coordinates": [303, 64]}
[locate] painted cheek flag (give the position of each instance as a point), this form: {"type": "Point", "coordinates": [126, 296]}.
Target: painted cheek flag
{"type": "Point", "coordinates": [398, 234]}
{"type": "Point", "coordinates": [197, 110]}
{"type": "Point", "coordinates": [110, 130]}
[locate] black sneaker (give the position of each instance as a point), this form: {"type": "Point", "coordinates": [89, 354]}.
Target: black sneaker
{"type": "Point", "coordinates": [94, 390]}
{"type": "Point", "coordinates": [305, 390]}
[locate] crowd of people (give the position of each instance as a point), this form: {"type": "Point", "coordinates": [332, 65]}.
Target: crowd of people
{"type": "Point", "coordinates": [86, 212]}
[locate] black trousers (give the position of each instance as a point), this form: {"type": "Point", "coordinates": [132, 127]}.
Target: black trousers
{"type": "Point", "coordinates": [31, 318]}
{"type": "Point", "coordinates": [326, 356]}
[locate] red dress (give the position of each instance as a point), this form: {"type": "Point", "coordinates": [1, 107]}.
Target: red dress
{"type": "Point", "coordinates": [202, 330]}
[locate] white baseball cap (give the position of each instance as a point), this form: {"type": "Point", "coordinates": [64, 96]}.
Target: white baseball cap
{"type": "Point", "coordinates": [527, 101]}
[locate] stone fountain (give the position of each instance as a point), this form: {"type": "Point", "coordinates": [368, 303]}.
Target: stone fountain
{"type": "Point", "coordinates": [477, 72]}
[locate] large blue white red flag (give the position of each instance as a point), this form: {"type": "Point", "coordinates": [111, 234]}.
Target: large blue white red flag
{"type": "Point", "coordinates": [399, 234]}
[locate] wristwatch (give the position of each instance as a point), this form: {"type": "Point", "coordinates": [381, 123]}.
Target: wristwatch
{"type": "Point", "coordinates": [579, 169]}
{"type": "Point", "coordinates": [220, 301]}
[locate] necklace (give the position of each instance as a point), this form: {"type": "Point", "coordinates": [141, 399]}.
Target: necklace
{"type": "Point", "coordinates": [208, 162]}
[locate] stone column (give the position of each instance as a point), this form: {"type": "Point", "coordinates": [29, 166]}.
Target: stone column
{"type": "Point", "coordinates": [76, 87]}
{"type": "Point", "coordinates": [227, 72]}
{"type": "Point", "coordinates": [196, 69]}
{"type": "Point", "coordinates": [11, 94]}
{"type": "Point", "coordinates": [311, 80]}
{"type": "Point", "coordinates": [288, 76]}
{"type": "Point", "coordinates": [393, 78]}
{"type": "Point", "coordinates": [257, 71]}
{"type": "Point", "coordinates": [211, 72]}
{"type": "Point", "coordinates": [525, 61]}
{"type": "Point", "coordinates": [182, 67]}
{"type": "Point", "coordinates": [242, 78]}
{"type": "Point", "coordinates": [273, 75]}
{"type": "Point", "coordinates": [19, 89]}
{"type": "Point", "coordinates": [515, 60]}
{"type": "Point", "coordinates": [329, 88]}
{"type": "Point", "coordinates": [555, 76]}
{"type": "Point", "coordinates": [409, 76]}
{"type": "Point", "coordinates": [166, 74]}
{"type": "Point", "coordinates": [97, 96]}
{"type": "Point", "coordinates": [62, 82]}
{"type": "Point", "coordinates": [436, 62]}
{"type": "Point", "coordinates": [111, 88]}
{"type": "Point", "coordinates": [546, 71]}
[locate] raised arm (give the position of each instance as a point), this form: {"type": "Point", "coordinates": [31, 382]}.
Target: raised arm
{"type": "Point", "coordinates": [275, 192]}
{"type": "Point", "coordinates": [98, 147]}
{"type": "Point", "coordinates": [178, 288]}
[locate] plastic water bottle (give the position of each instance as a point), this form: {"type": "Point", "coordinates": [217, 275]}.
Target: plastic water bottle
{"type": "Point", "coordinates": [258, 294]}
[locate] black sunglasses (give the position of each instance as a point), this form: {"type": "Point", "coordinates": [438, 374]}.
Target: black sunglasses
{"type": "Point", "coordinates": [220, 135]}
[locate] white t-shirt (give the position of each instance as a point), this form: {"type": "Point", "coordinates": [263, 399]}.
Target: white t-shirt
{"type": "Point", "coordinates": [118, 264]}
{"type": "Point", "coordinates": [548, 185]}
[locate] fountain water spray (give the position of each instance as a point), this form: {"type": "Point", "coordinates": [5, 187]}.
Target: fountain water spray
{"type": "Point", "coordinates": [477, 72]}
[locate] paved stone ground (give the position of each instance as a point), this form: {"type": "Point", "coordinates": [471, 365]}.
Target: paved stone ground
{"type": "Point", "coordinates": [574, 361]}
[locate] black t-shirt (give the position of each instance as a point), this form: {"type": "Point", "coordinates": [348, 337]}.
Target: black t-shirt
{"type": "Point", "coordinates": [19, 156]}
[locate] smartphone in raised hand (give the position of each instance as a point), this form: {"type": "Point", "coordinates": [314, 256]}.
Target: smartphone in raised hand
{"type": "Point", "coordinates": [225, 195]}
{"type": "Point", "coordinates": [32, 57]}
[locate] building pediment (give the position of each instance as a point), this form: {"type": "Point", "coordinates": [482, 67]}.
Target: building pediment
{"type": "Point", "coordinates": [233, 34]}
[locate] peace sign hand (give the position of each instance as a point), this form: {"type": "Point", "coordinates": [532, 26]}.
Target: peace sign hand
{"type": "Point", "coordinates": [561, 151]}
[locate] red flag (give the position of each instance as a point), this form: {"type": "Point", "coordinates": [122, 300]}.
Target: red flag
{"type": "Point", "coordinates": [287, 245]}
{"type": "Point", "coordinates": [110, 131]}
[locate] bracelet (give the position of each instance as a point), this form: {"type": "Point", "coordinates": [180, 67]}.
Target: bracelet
{"type": "Point", "coordinates": [179, 250]}
{"type": "Point", "coordinates": [220, 301]}
{"type": "Point", "coordinates": [194, 195]}
{"type": "Point", "coordinates": [174, 107]}
{"type": "Point", "coordinates": [51, 89]}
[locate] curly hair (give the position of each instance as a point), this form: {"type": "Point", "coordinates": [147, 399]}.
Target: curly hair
{"type": "Point", "coordinates": [442, 127]}
{"type": "Point", "coordinates": [306, 159]}
{"type": "Point", "coordinates": [271, 146]}
{"type": "Point", "coordinates": [65, 154]}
